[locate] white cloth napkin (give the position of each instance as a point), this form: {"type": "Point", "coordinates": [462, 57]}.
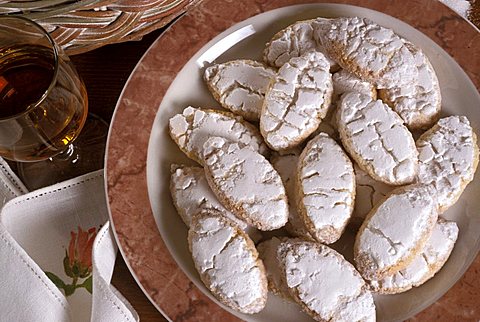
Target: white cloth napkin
{"type": "Point", "coordinates": [47, 238]}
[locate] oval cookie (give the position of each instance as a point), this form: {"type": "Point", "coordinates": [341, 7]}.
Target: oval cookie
{"type": "Point", "coordinates": [293, 41]}
{"type": "Point", "coordinates": [377, 139]}
{"type": "Point", "coordinates": [297, 101]}
{"type": "Point", "coordinates": [240, 86]}
{"type": "Point", "coordinates": [194, 126]}
{"type": "Point", "coordinates": [326, 188]}
{"type": "Point", "coordinates": [371, 52]}
{"type": "Point", "coordinates": [325, 285]}
{"type": "Point", "coordinates": [448, 155]}
{"type": "Point", "coordinates": [228, 262]}
{"type": "Point", "coordinates": [418, 103]}
{"type": "Point", "coordinates": [246, 184]}
{"type": "Point", "coordinates": [395, 231]}
{"type": "Point", "coordinates": [425, 265]}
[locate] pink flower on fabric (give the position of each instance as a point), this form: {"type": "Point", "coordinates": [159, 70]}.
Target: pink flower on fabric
{"type": "Point", "coordinates": [77, 262]}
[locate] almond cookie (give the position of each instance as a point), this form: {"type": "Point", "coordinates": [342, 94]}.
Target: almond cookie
{"type": "Point", "coordinates": [425, 265]}
{"type": "Point", "coordinates": [293, 41]}
{"type": "Point", "coordinates": [377, 139]}
{"type": "Point", "coordinates": [228, 262]}
{"type": "Point", "coordinates": [368, 193]}
{"type": "Point", "coordinates": [326, 188]}
{"type": "Point", "coordinates": [325, 285]}
{"type": "Point", "coordinates": [286, 166]}
{"type": "Point", "coordinates": [246, 183]}
{"type": "Point", "coordinates": [192, 194]}
{"type": "Point", "coordinates": [194, 126]}
{"type": "Point", "coordinates": [448, 155]}
{"type": "Point", "coordinates": [371, 52]}
{"type": "Point", "coordinates": [395, 231]}
{"type": "Point", "coordinates": [240, 86]}
{"type": "Point", "coordinates": [297, 101]}
{"type": "Point", "coordinates": [418, 103]}
{"type": "Point", "coordinates": [345, 82]}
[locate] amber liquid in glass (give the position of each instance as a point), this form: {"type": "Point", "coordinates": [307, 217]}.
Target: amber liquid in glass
{"type": "Point", "coordinates": [31, 131]}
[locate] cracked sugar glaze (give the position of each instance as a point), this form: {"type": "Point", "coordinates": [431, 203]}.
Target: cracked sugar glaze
{"type": "Point", "coordinates": [459, 97]}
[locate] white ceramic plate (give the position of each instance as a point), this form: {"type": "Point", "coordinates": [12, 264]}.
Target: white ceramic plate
{"type": "Point", "coordinates": [459, 97]}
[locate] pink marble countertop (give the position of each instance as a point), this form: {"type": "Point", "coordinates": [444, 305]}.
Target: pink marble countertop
{"type": "Point", "coordinates": [136, 231]}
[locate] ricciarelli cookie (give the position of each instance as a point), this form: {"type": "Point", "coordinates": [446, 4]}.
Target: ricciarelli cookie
{"type": "Point", "coordinates": [325, 188]}
{"type": "Point", "coordinates": [448, 155]}
{"type": "Point", "coordinates": [418, 103]}
{"type": "Point", "coordinates": [371, 52]}
{"type": "Point", "coordinates": [227, 262]}
{"type": "Point", "coordinates": [293, 41]}
{"type": "Point", "coordinates": [246, 183]}
{"type": "Point", "coordinates": [296, 102]}
{"type": "Point", "coordinates": [240, 86]}
{"type": "Point", "coordinates": [395, 231]}
{"type": "Point", "coordinates": [425, 265]}
{"type": "Point", "coordinates": [325, 285]}
{"type": "Point", "coordinates": [194, 126]}
{"type": "Point", "coordinates": [376, 138]}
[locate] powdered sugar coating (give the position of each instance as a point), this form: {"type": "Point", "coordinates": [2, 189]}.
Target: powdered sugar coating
{"type": "Point", "coordinates": [194, 126]}
{"type": "Point", "coordinates": [345, 82]}
{"type": "Point", "coordinates": [240, 86]}
{"type": "Point", "coordinates": [426, 264]}
{"type": "Point", "coordinates": [448, 155]}
{"type": "Point", "coordinates": [297, 101]}
{"type": "Point", "coordinates": [286, 166]}
{"type": "Point", "coordinates": [293, 41]}
{"type": "Point", "coordinates": [377, 139]}
{"type": "Point", "coordinates": [246, 183]}
{"type": "Point", "coordinates": [326, 185]}
{"type": "Point", "coordinates": [368, 193]}
{"type": "Point", "coordinates": [371, 52]}
{"type": "Point", "coordinates": [418, 103]}
{"type": "Point", "coordinates": [228, 263]}
{"type": "Point", "coordinates": [395, 231]}
{"type": "Point", "coordinates": [324, 283]}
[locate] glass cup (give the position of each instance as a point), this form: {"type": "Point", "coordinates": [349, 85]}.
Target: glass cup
{"type": "Point", "coordinates": [43, 103]}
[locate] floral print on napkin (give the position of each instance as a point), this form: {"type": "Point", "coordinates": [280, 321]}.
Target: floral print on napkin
{"type": "Point", "coordinates": [77, 262]}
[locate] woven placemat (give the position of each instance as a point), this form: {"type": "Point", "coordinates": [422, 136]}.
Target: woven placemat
{"type": "Point", "coordinates": [83, 25]}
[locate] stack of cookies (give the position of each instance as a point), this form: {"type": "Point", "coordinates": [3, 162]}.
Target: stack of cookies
{"type": "Point", "coordinates": [334, 109]}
